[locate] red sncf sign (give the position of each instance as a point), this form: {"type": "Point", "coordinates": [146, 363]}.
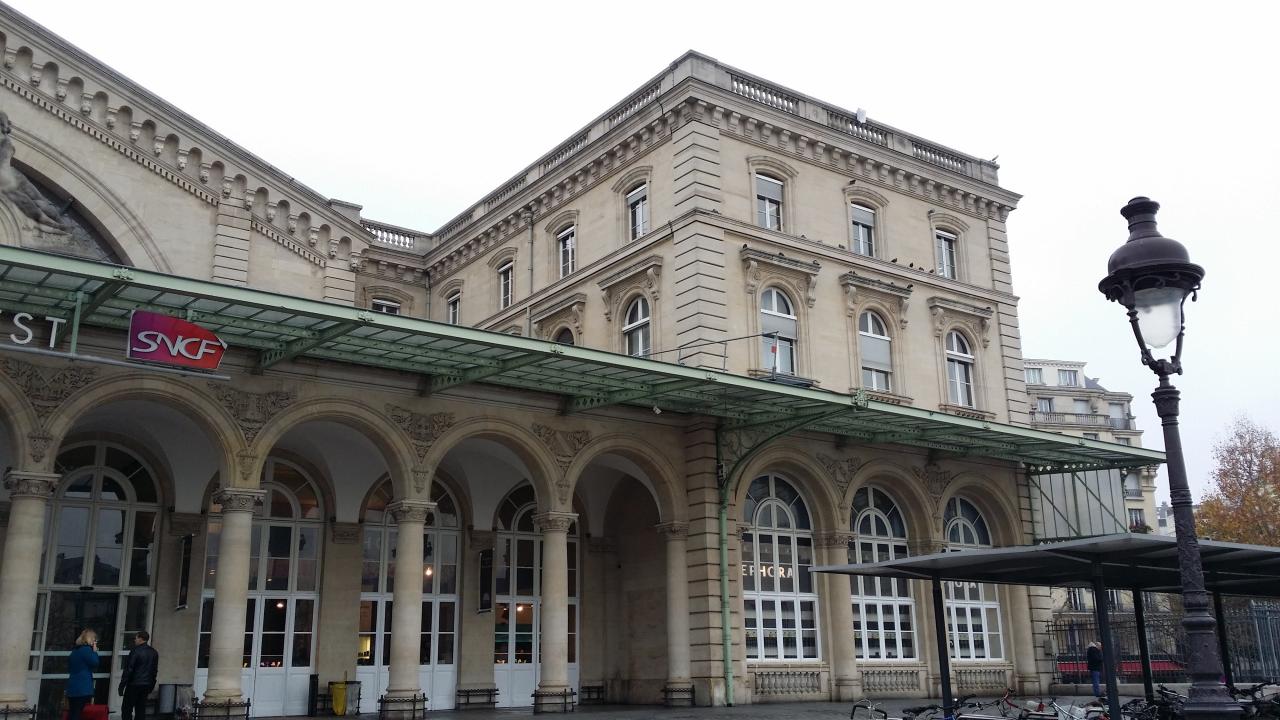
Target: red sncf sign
{"type": "Point", "coordinates": [167, 340]}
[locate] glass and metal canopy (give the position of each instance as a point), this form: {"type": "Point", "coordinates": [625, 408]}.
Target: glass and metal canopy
{"type": "Point", "coordinates": [283, 328]}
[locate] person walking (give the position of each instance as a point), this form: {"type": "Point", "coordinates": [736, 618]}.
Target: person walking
{"type": "Point", "coordinates": [138, 677]}
{"type": "Point", "coordinates": [81, 664]}
{"type": "Point", "coordinates": [1093, 657]}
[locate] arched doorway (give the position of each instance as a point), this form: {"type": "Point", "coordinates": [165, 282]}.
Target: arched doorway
{"type": "Point", "coordinates": [439, 647]}
{"type": "Point", "coordinates": [284, 583]}
{"type": "Point", "coordinates": [517, 606]}
{"type": "Point", "coordinates": [98, 569]}
{"type": "Point", "coordinates": [973, 609]}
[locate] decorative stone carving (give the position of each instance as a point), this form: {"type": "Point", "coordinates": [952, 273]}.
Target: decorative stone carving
{"type": "Point", "coordinates": [422, 429]}
{"type": "Point", "coordinates": [935, 479]}
{"type": "Point", "coordinates": [19, 190]}
{"type": "Point", "coordinates": [802, 275]}
{"type": "Point", "coordinates": [238, 499]}
{"type": "Point", "coordinates": [673, 530]}
{"type": "Point", "coordinates": [47, 388]}
{"type": "Point", "coordinates": [832, 539]}
{"type": "Point", "coordinates": [344, 533]}
{"type": "Point", "coordinates": [567, 312]}
{"type": "Point", "coordinates": [246, 461]}
{"type": "Point", "coordinates": [421, 479]}
{"type": "Point", "coordinates": [565, 446]}
{"type": "Point", "coordinates": [185, 524]}
{"type": "Point", "coordinates": [947, 313]}
{"type": "Point", "coordinates": [252, 410]}
{"type": "Point", "coordinates": [39, 442]}
{"type": "Point", "coordinates": [890, 294]}
{"type": "Point", "coordinates": [841, 470]}
{"type": "Point", "coordinates": [554, 521]}
{"type": "Point", "coordinates": [645, 275]}
{"type": "Point", "coordinates": [410, 511]}
{"type": "Point", "coordinates": [31, 484]}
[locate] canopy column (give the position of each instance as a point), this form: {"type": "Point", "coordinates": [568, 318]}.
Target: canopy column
{"type": "Point", "coordinates": [1144, 651]}
{"type": "Point", "coordinates": [1219, 613]}
{"type": "Point", "coordinates": [1104, 631]}
{"type": "Point", "coordinates": [944, 651]}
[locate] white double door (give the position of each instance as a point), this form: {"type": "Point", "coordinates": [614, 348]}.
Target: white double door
{"type": "Point", "coordinates": [517, 621]}
{"type": "Point", "coordinates": [438, 678]}
{"type": "Point", "coordinates": [278, 654]}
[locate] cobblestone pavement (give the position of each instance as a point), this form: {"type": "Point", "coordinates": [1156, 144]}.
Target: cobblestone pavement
{"type": "Point", "coordinates": [802, 711]}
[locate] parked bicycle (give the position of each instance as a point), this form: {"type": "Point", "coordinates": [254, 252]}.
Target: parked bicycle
{"type": "Point", "coordinates": [872, 711]}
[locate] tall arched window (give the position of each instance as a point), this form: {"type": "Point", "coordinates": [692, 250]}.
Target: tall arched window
{"type": "Point", "coordinates": [780, 615]}
{"type": "Point", "coordinates": [635, 328]}
{"type": "Point", "coordinates": [959, 370]}
{"type": "Point", "coordinates": [284, 589]}
{"type": "Point", "coordinates": [973, 609]}
{"type": "Point", "coordinates": [875, 352]}
{"type": "Point", "coordinates": [864, 229]}
{"type": "Point", "coordinates": [884, 626]}
{"type": "Point", "coordinates": [768, 201]}
{"type": "Point", "coordinates": [778, 332]}
{"type": "Point", "coordinates": [98, 566]}
{"type": "Point", "coordinates": [440, 552]}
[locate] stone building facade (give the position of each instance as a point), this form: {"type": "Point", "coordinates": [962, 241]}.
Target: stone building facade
{"type": "Point", "coordinates": [746, 269]}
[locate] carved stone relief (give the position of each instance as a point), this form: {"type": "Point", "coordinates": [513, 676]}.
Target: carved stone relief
{"type": "Point", "coordinates": [421, 428]}
{"type": "Point", "coordinates": [252, 410]}
{"type": "Point", "coordinates": [935, 479]}
{"type": "Point", "coordinates": [841, 470]}
{"type": "Point", "coordinates": [564, 446]}
{"type": "Point", "coordinates": [47, 388]}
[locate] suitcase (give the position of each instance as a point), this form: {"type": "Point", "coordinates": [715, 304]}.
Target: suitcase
{"type": "Point", "coordinates": [91, 712]}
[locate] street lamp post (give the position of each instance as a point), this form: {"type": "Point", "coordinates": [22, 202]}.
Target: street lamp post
{"type": "Point", "coordinates": [1152, 276]}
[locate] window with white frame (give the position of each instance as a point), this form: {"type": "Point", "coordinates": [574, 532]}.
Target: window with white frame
{"type": "Point", "coordinates": [780, 618]}
{"type": "Point", "coordinates": [506, 285]}
{"type": "Point", "coordinates": [959, 370]}
{"type": "Point", "coordinates": [382, 305]}
{"type": "Point", "coordinates": [1044, 405]}
{"type": "Point", "coordinates": [875, 352]}
{"type": "Point", "coordinates": [453, 308]}
{"type": "Point", "coordinates": [1068, 378]}
{"type": "Point", "coordinates": [638, 211]}
{"type": "Point", "coordinates": [1035, 376]}
{"type": "Point", "coordinates": [768, 202]}
{"type": "Point", "coordinates": [884, 626]}
{"type": "Point", "coordinates": [1137, 517]}
{"type": "Point", "coordinates": [973, 609]}
{"type": "Point", "coordinates": [945, 253]}
{"type": "Point", "coordinates": [567, 244]}
{"type": "Point", "coordinates": [1080, 406]}
{"type": "Point", "coordinates": [778, 332]}
{"type": "Point", "coordinates": [864, 230]}
{"type": "Point", "coordinates": [636, 329]}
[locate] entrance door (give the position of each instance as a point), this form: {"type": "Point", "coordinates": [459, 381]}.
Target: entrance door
{"type": "Point", "coordinates": [516, 651]}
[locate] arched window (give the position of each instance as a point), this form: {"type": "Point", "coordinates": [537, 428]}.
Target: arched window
{"type": "Point", "coordinates": [778, 332]}
{"type": "Point", "coordinates": [780, 615]}
{"type": "Point", "coordinates": [864, 229]}
{"type": "Point", "coordinates": [874, 349]}
{"type": "Point", "coordinates": [768, 202]}
{"type": "Point", "coordinates": [385, 305]}
{"type": "Point", "coordinates": [440, 559]}
{"type": "Point", "coordinates": [959, 370]}
{"type": "Point", "coordinates": [884, 626]}
{"type": "Point", "coordinates": [635, 328]}
{"type": "Point", "coordinates": [98, 565]}
{"type": "Point", "coordinates": [284, 587]}
{"type": "Point", "coordinates": [973, 609]}
{"type": "Point", "coordinates": [564, 337]}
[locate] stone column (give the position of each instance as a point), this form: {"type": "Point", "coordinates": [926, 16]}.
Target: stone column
{"type": "Point", "coordinates": [834, 593]}
{"type": "Point", "coordinates": [403, 677]}
{"type": "Point", "coordinates": [554, 670]}
{"type": "Point", "coordinates": [678, 679]}
{"type": "Point", "coordinates": [29, 494]}
{"type": "Point", "coordinates": [231, 591]}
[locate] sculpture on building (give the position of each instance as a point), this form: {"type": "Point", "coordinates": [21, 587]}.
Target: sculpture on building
{"type": "Point", "coordinates": [19, 190]}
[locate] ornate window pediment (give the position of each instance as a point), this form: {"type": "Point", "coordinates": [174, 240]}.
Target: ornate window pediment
{"type": "Point", "coordinates": [502, 257]}
{"type": "Point", "coordinates": [950, 313]}
{"type": "Point", "coordinates": [890, 296]}
{"type": "Point", "coordinates": [566, 313]}
{"type": "Point", "coordinates": [803, 276]}
{"type": "Point", "coordinates": [645, 275]}
{"type": "Point", "coordinates": [387, 292]}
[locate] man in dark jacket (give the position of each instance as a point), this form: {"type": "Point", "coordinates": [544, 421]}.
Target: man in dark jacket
{"type": "Point", "coordinates": [138, 677]}
{"type": "Point", "coordinates": [1092, 656]}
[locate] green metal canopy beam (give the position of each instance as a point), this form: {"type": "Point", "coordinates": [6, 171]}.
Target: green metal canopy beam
{"type": "Point", "coordinates": [297, 347]}
{"type": "Point", "coordinates": [626, 396]}
{"type": "Point", "coordinates": [477, 374]}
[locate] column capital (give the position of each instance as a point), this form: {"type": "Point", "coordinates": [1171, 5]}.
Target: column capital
{"type": "Point", "coordinates": [554, 521]}
{"type": "Point", "coordinates": [40, 485]}
{"type": "Point", "coordinates": [832, 539]}
{"type": "Point", "coordinates": [410, 511]}
{"type": "Point", "coordinates": [673, 530]}
{"type": "Point", "coordinates": [233, 499]}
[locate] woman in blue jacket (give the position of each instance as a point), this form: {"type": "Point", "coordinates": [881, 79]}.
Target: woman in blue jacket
{"type": "Point", "coordinates": [82, 663]}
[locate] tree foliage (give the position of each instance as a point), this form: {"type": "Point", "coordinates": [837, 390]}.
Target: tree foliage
{"type": "Point", "coordinates": [1243, 502]}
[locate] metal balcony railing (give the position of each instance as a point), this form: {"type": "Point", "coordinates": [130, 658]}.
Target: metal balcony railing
{"type": "Point", "coordinates": [1121, 423]}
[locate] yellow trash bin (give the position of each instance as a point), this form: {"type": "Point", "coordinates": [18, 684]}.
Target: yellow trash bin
{"type": "Point", "coordinates": [338, 694]}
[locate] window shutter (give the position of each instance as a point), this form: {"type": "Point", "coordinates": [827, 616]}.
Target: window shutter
{"type": "Point", "coordinates": [875, 354]}
{"type": "Point", "coordinates": [768, 188]}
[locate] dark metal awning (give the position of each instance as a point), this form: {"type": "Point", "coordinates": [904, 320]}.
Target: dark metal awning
{"type": "Point", "coordinates": [282, 328]}
{"type": "Point", "coordinates": [1130, 562]}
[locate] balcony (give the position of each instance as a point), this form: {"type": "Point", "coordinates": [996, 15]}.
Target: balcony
{"type": "Point", "coordinates": [1074, 419]}
{"type": "Point", "coordinates": [1133, 493]}
{"type": "Point", "coordinates": [1121, 423]}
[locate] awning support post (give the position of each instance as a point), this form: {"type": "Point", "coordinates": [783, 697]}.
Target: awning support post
{"type": "Point", "coordinates": [944, 653]}
{"type": "Point", "coordinates": [1144, 651]}
{"type": "Point", "coordinates": [1219, 613]}
{"type": "Point", "coordinates": [1104, 631]}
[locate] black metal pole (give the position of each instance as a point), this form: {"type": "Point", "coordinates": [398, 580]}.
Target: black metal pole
{"type": "Point", "coordinates": [1207, 699]}
{"type": "Point", "coordinates": [944, 654]}
{"type": "Point", "coordinates": [1219, 612]}
{"type": "Point", "coordinates": [1144, 650]}
{"type": "Point", "coordinates": [1103, 614]}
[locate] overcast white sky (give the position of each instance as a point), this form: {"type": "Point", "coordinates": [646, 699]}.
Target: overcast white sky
{"type": "Point", "coordinates": [416, 110]}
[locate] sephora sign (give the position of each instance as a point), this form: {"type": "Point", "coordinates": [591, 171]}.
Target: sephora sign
{"type": "Point", "coordinates": [167, 340]}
